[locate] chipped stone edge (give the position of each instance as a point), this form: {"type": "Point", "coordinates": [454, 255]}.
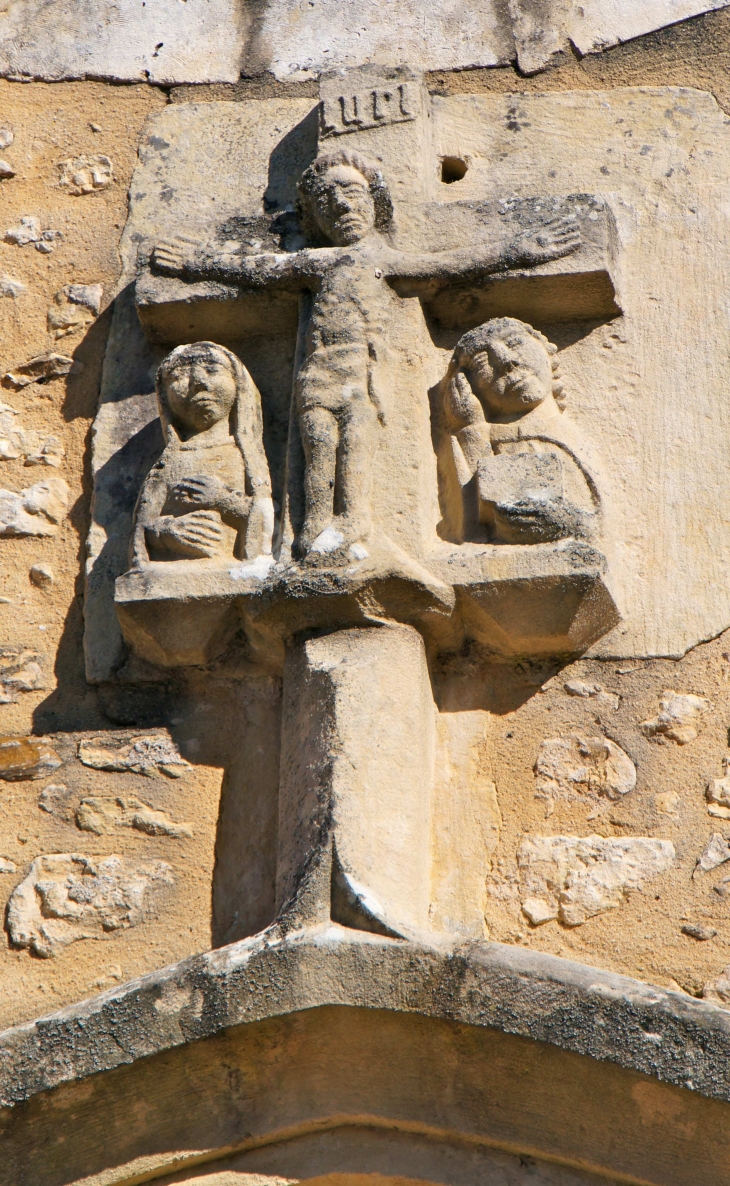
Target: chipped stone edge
{"type": "Point", "coordinates": [671, 1037]}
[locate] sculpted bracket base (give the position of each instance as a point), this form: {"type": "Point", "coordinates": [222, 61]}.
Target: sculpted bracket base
{"type": "Point", "coordinates": [545, 600]}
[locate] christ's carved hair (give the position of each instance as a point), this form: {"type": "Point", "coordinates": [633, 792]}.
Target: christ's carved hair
{"type": "Point", "coordinates": [313, 189]}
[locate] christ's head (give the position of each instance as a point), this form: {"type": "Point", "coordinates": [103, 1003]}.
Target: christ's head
{"type": "Point", "coordinates": [343, 198]}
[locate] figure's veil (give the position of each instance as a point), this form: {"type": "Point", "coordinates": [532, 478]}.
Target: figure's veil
{"type": "Point", "coordinates": [246, 419]}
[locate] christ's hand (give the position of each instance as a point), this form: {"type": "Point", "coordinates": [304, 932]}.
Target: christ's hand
{"type": "Point", "coordinates": [559, 237]}
{"type": "Point", "coordinates": [175, 256]}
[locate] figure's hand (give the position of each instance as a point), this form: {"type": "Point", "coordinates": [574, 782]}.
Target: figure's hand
{"type": "Point", "coordinates": [556, 238]}
{"type": "Point", "coordinates": [197, 535]}
{"type": "Point", "coordinates": [203, 491]}
{"type": "Point", "coordinates": [461, 406]}
{"type": "Point", "coordinates": [175, 256]}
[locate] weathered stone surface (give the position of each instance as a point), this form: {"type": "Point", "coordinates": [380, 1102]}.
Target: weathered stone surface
{"type": "Point", "coordinates": [52, 41]}
{"type": "Point", "coordinates": [559, 1002]}
{"type": "Point", "coordinates": [699, 932]}
{"type": "Point", "coordinates": [718, 990]}
{"type": "Point", "coordinates": [466, 823]}
{"type": "Point", "coordinates": [358, 739]}
{"type": "Point", "coordinates": [143, 755]}
{"type": "Point", "coordinates": [39, 370]}
{"type": "Point", "coordinates": [718, 793]}
{"type": "Point", "coordinates": [103, 815]}
{"type": "Point", "coordinates": [29, 231]}
{"type": "Point", "coordinates": [578, 687]}
{"type": "Point", "coordinates": [20, 671]}
{"type": "Point", "coordinates": [576, 766]}
{"type": "Point", "coordinates": [580, 877]}
{"type": "Point", "coordinates": [41, 575]}
{"type": "Point", "coordinates": [331, 1030]}
{"type": "Point", "coordinates": [165, 42]}
{"type": "Point", "coordinates": [85, 174]}
{"type": "Point", "coordinates": [37, 510]}
{"type": "Point", "coordinates": [16, 441]}
{"type": "Point", "coordinates": [680, 718]}
{"type": "Point", "coordinates": [10, 287]}
{"type": "Point", "coordinates": [715, 852]}
{"type": "Point", "coordinates": [68, 896]}
{"type": "Point", "coordinates": [74, 308]}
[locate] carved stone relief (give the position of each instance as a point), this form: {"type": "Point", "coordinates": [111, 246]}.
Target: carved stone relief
{"type": "Point", "coordinates": [385, 413]}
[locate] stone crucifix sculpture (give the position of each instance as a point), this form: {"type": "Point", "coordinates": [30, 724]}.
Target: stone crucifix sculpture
{"type": "Point", "coordinates": [362, 585]}
{"type": "Point", "coordinates": [346, 209]}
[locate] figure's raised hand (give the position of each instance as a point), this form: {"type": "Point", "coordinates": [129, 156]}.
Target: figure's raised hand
{"type": "Point", "coordinates": [554, 239]}
{"type": "Point", "coordinates": [174, 256]}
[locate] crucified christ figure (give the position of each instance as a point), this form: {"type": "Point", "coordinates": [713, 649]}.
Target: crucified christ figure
{"type": "Point", "coordinates": [344, 203]}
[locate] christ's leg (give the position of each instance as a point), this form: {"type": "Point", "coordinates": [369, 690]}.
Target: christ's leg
{"type": "Point", "coordinates": [358, 426]}
{"type": "Point", "coordinates": [319, 433]}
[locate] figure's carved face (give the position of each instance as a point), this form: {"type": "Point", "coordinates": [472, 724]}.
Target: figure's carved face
{"type": "Point", "coordinates": [346, 211]}
{"type": "Point", "coordinates": [201, 390]}
{"type": "Point", "coordinates": [513, 374]}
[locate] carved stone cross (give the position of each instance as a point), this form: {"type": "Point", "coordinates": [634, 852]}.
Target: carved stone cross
{"type": "Point", "coordinates": [369, 567]}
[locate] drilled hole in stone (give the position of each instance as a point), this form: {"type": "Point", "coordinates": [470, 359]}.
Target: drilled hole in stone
{"type": "Point", "coordinates": [453, 168]}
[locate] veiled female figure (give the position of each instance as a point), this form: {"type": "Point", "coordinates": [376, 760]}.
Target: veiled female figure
{"type": "Point", "coordinates": [209, 496]}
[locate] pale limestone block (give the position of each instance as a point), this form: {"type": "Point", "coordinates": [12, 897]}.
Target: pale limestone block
{"type": "Point", "coordinates": [10, 287]}
{"type": "Point", "coordinates": [578, 767]}
{"type": "Point", "coordinates": [85, 174]}
{"type": "Point", "coordinates": [667, 803]}
{"type": "Point", "coordinates": [539, 28]}
{"type": "Point", "coordinates": [586, 691]}
{"type": "Point", "coordinates": [718, 793]}
{"type": "Point", "coordinates": [718, 990]}
{"type": "Point", "coordinates": [466, 823]}
{"type": "Point", "coordinates": [163, 42]}
{"type": "Point", "coordinates": [16, 442]}
{"type": "Point", "coordinates": [680, 718]}
{"type": "Point", "coordinates": [295, 40]}
{"type": "Point", "coordinates": [40, 369]}
{"type": "Point", "coordinates": [538, 911]}
{"type": "Point", "coordinates": [586, 876]}
{"type": "Point", "coordinates": [68, 896]}
{"type": "Point", "coordinates": [102, 815]}
{"type": "Point", "coordinates": [699, 932]}
{"type": "Point", "coordinates": [74, 308]}
{"type": "Point", "coordinates": [715, 852]}
{"type": "Point", "coordinates": [28, 231]}
{"type": "Point", "coordinates": [145, 754]}
{"type": "Point", "coordinates": [357, 770]}
{"type": "Point", "coordinates": [37, 510]}
{"type": "Point", "coordinates": [597, 24]}
{"type": "Point", "coordinates": [169, 42]}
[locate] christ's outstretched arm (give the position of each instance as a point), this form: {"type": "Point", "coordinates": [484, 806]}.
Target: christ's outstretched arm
{"type": "Point", "coordinates": [559, 237]}
{"type": "Point", "coordinates": [195, 260]}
